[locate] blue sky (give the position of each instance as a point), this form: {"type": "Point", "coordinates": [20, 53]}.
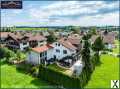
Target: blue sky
{"type": "Point", "coordinates": [61, 13]}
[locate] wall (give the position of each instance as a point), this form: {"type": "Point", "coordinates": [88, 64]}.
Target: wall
{"type": "Point", "coordinates": [42, 43]}
{"type": "Point", "coordinates": [61, 48]}
{"type": "Point", "coordinates": [50, 54]}
{"type": "Point", "coordinates": [23, 46]}
{"type": "Point", "coordinates": [33, 57]}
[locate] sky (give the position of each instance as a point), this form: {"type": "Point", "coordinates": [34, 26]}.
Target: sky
{"type": "Point", "coordinates": [62, 13]}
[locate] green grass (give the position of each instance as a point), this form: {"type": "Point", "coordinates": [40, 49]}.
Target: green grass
{"type": "Point", "coordinates": [11, 78]}
{"type": "Point", "coordinates": [56, 67]}
{"type": "Point", "coordinates": [30, 29]}
{"type": "Point", "coordinates": [116, 50]}
{"type": "Point", "coordinates": [103, 74]}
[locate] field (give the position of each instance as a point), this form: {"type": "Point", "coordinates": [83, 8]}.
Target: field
{"type": "Point", "coordinates": [103, 74]}
{"type": "Point", "coordinates": [29, 29]}
{"type": "Point", "coordinates": [11, 78]}
{"type": "Point", "coordinates": [107, 71]}
{"type": "Point", "coordinates": [116, 50]}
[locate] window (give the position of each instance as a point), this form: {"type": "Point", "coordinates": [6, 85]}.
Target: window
{"type": "Point", "coordinates": [24, 43]}
{"type": "Point", "coordinates": [40, 54]}
{"type": "Point", "coordinates": [57, 50]}
{"type": "Point", "coordinates": [65, 51]}
{"type": "Point", "coordinates": [45, 52]}
{"type": "Point", "coordinates": [59, 44]}
{"type": "Point", "coordinates": [56, 44]}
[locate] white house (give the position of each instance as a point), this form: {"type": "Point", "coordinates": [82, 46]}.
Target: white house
{"type": "Point", "coordinates": [63, 48]}
{"type": "Point", "coordinates": [40, 54]}
{"type": "Point", "coordinates": [57, 50]}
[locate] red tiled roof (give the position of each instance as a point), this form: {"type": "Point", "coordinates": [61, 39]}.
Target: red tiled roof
{"type": "Point", "coordinates": [74, 40]}
{"type": "Point", "coordinates": [42, 48]}
{"type": "Point", "coordinates": [37, 37]}
{"type": "Point", "coordinates": [67, 44]}
{"type": "Point", "coordinates": [109, 37]}
{"type": "Point", "coordinates": [4, 34]}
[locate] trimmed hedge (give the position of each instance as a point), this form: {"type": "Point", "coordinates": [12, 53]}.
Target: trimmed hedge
{"type": "Point", "coordinates": [59, 78]}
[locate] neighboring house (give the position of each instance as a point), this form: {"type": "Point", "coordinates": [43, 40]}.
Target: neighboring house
{"type": "Point", "coordinates": [37, 40]}
{"type": "Point", "coordinates": [17, 42]}
{"type": "Point", "coordinates": [3, 36]}
{"type": "Point", "coordinates": [64, 34]}
{"type": "Point", "coordinates": [109, 39]}
{"type": "Point", "coordinates": [40, 55]}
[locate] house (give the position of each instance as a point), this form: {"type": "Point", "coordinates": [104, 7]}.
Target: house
{"type": "Point", "coordinates": [75, 40]}
{"type": "Point", "coordinates": [37, 40]}
{"type": "Point", "coordinates": [3, 36]}
{"type": "Point", "coordinates": [109, 39]}
{"type": "Point", "coordinates": [17, 41]}
{"type": "Point", "coordinates": [63, 48]}
{"type": "Point", "coordinates": [40, 54]}
{"type": "Point", "coordinates": [57, 50]}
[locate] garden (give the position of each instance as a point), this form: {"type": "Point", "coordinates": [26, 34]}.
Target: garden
{"type": "Point", "coordinates": [12, 77]}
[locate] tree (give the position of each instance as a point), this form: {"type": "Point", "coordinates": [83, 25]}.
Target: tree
{"type": "Point", "coordinates": [97, 46]}
{"type": "Point", "coordinates": [87, 36]}
{"type": "Point", "coordinates": [51, 38]}
{"type": "Point", "coordinates": [85, 53]}
{"type": "Point", "coordinates": [20, 56]}
{"type": "Point", "coordinates": [75, 29]}
{"type": "Point", "coordinates": [93, 31]}
{"type": "Point", "coordinates": [8, 54]}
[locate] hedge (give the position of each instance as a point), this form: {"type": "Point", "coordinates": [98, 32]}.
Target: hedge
{"type": "Point", "coordinates": [61, 79]}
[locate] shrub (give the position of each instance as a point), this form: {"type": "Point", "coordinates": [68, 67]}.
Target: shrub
{"type": "Point", "coordinates": [24, 67]}
{"type": "Point", "coordinates": [59, 78]}
{"type": "Point", "coordinates": [8, 54]}
{"type": "Point", "coordinates": [104, 52]}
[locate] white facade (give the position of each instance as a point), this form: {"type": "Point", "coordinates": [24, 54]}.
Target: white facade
{"type": "Point", "coordinates": [36, 58]}
{"type": "Point", "coordinates": [58, 51]}
{"type": "Point", "coordinates": [33, 57]}
{"type": "Point", "coordinates": [23, 46]}
{"type": "Point", "coordinates": [41, 43]}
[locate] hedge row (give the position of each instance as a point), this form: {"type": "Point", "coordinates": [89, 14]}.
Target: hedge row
{"type": "Point", "coordinates": [59, 78]}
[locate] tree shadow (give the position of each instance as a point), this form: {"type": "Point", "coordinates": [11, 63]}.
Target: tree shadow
{"type": "Point", "coordinates": [99, 63]}
{"type": "Point", "coordinates": [43, 84]}
{"type": "Point", "coordinates": [21, 70]}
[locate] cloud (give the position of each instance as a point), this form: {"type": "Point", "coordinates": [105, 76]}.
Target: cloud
{"type": "Point", "coordinates": [17, 11]}
{"type": "Point", "coordinates": [64, 13]}
{"type": "Point", "coordinates": [63, 8]}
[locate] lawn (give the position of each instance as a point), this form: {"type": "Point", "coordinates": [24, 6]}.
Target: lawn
{"type": "Point", "coordinates": [56, 67]}
{"type": "Point", "coordinates": [116, 50]}
{"type": "Point", "coordinates": [103, 74]}
{"type": "Point", "coordinates": [11, 78]}
{"type": "Point", "coordinates": [30, 29]}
